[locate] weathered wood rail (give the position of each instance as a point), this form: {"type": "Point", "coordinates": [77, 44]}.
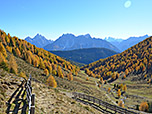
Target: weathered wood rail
{"type": "Point", "coordinates": [30, 97]}
{"type": "Point", "coordinates": [99, 102]}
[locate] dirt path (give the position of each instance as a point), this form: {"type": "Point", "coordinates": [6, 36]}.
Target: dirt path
{"type": "Point", "coordinates": [106, 94]}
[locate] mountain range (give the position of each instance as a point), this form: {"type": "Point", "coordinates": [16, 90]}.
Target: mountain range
{"type": "Point", "coordinates": [39, 41]}
{"type": "Point", "coordinates": [122, 45]}
{"type": "Point", "coordinates": [68, 42]}
{"type": "Point", "coordinates": [71, 42]}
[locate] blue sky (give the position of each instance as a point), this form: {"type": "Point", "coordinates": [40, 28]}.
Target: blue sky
{"type": "Point", "coordinates": [99, 18]}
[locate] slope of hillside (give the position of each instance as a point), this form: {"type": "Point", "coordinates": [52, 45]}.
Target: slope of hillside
{"type": "Point", "coordinates": [39, 41]}
{"type": "Point", "coordinates": [19, 58]}
{"type": "Point", "coordinates": [71, 42]}
{"type": "Point", "coordinates": [127, 76]}
{"type": "Point", "coordinates": [136, 59]}
{"type": "Point", "coordinates": [125, 44]}
{"type": "Point", "coordinates": [85, 56]}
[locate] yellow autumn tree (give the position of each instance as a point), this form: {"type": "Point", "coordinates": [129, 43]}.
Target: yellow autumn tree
{"type": "Point", "coordinates": [121, 85]}
{"type": "Point", "coordinates": [42, 65]}
{"type": "Point", "coordinates": [109, 89]}
{"type": "Point", "coordinates": [59, 70]}
{"type": "Point", "coordinates": [3, 62]}
{"type": "Point", "coordinates": [2, 58]}
{"type": "Point", "coordinates": [70, 76]}
{"type": "Point", "coordinates": [18, 53]}
{"type": "Point", "coordinates": [119, 93]}
{"type": "Point", "coordinates": [9, 49]}
{"type": "Point", "coordinates": [46, 72]}
{"type": "Point", "coordinates": [51, 81]}
{"type": "Point", "coordinates": [125, 88]}
{"type": "Point", "coordinates": [145, 76]}
{"type": "Point", "coordinates": [101, 80]}
{"type": "Point", "coordinates": [121, 104]}
{"type": "Point", "coordinates": [124, 76]}
{"type": "Point", "coordinates": [50, 68]}
{"type": "Point", "coordinates": [54, 72]}
{"type": "Point", "coordinates": [29, 60]}
{"type": "Point", "coordinates": [2, 49]}
{"type": "Point", "coordinates": [13, 65]}
{"type": "Point", "coordinates": [36, 63]}
{"type": "Point", "coordinates": [143, 106]}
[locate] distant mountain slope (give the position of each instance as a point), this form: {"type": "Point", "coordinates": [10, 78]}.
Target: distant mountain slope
{"type": "Point", "coordinates": [71, 42]}
{"type": "Point", "coordinates": [85, 56]}
{"type": "Point", "coordinates": [125, 44]}
{"type": "Point", "coordinates": [135, 60]}
{"type": "Point", "coordinates": [114, 41]}
{"type": "Point", "coordinates": [39, 41]}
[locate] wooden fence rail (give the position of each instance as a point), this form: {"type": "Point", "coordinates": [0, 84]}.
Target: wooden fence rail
{"type": "Point", "coordinates": [30, 97]}
{"type": "Point", "coordinates": [94, 100]}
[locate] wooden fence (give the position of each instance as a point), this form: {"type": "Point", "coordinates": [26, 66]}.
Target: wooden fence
{"type": "Point", "coordinates": [99, 102]}
{"type": "Point", "coordinates": [30, 97]}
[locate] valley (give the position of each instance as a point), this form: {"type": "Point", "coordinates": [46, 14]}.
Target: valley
{"type": "Point", "coordinates": [86, 55]}
{"type": "Point", "coordinates": [122, 79]}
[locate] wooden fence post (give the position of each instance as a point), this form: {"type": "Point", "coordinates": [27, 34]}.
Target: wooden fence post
{"type": "Point", "coordinates": [33, 100]}
{"type": "Point", "coordinates": [32, 111]}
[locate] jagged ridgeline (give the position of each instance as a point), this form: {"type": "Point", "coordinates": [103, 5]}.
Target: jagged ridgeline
{"type": "Point", "coordinates": [135, 60]}
{"type": "Point", "coordinates": [37, 57]}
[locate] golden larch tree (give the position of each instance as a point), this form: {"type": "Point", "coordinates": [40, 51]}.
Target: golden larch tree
{"type": "Point", "coordinates": [121, 104]}
{"type": "Point", "coordinates": [13, 65]}
{"type": "Point", "coordinates": [119, 93]}
{"type": "Point", "coordinates": [46, 72]}
{"type": "Point", "coordinates": [143, 106]}
{"type": "Point", "coordinates": [18, 53]}
{"type": "Point", "coordinates": [42, 65]}
{"type": "Point", "coordinates": [2, 49]}
{"type": "Point", "coordinates": [2, 58]}
{"type": "Point", "coordinates": [101, 80]}
{"type": "Point", "coordinates": [51, 81]}
{"type": "Point", "coordinates": [109, 89]}
{"type": "Point", "coordinates": [9, 49]}
{"type": "Point", "coordinates": [125, 88]}
{"type": "Point", "coordinates": [70, 76]}
{"type": "Point", "coordinates": [59, 70]}
{"type": "Point", "coordinates": [50, 68]}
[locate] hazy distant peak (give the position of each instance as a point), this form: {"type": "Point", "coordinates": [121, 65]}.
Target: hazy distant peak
{"type": "Point", "coordinates": [38, 40]}
{"type": "Point", "coordinates": [87, 36]}
{"type": "Point", "coordinates": [38, 36]}
{"type": "Point", "coordinates": [111, 39]}
{"type": "Point", "coordinates": [28, 37]}
{"type": "Point", "coordinates": [68, 35]}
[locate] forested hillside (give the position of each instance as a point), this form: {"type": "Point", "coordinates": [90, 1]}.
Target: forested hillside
{"type": "Point", "coordinates": [52, 76]}
{"type": "Point", "coordinates": [87, 55]}
{"type": "Point", "coordinates": [37, 57]}
{"type": "Point", "coordinates": [136, 60]}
